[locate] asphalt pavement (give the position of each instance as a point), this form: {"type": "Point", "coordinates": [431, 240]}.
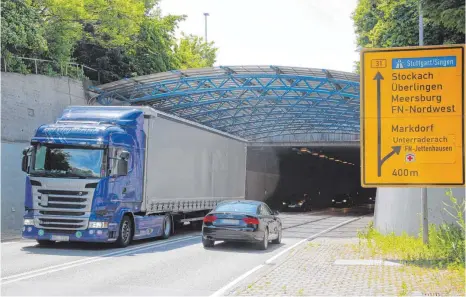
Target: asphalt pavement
{"type": "Point", "coordinates": [178, 266]}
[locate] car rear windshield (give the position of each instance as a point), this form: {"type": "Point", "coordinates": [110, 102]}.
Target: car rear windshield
{"type": "Point", "coordinates": [237, 207]}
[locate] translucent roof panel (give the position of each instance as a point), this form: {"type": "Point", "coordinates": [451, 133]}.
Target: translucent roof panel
{"type": "Point", "coordinates": [259, 103]}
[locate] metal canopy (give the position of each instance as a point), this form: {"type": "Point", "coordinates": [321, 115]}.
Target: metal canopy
{"type": "Point", "coordinates": [259, 103]}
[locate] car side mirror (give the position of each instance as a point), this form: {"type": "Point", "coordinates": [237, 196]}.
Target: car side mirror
{"type": "Point", "coordinates": [275, 212]}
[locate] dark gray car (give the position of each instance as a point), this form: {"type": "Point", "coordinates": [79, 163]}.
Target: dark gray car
{"type": "Point", "coordinates": [242, 221]}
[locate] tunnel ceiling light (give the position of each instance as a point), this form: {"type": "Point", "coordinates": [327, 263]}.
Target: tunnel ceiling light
{"type": "Point", "coordinates": [315, 154]}
{"type": "Point", "coordinates": [304, 150]}
{"type": "Point", "coordinates": [337, 160]}
{"type": "Point", "coordinates": [345, 162]}
{"type": "Point", "coordinates": [321, 156]}
{"type": "Point", "coordinates": [331, 159]}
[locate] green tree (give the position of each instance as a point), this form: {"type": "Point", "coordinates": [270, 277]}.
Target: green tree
{"type": "Point", "coordinates": [394, 23]}
{"type": "Point", "coordinates": [22, 33]}
{"type": "Point", "coordinates": [121, 38]}
{"type": "Point", "coordinates": [193, 52]}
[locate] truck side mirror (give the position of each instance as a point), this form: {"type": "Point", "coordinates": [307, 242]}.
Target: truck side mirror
{"type": "Point", "coordinates": [24, 164]}
{"type": "Point", "coordinates": [122, 166]}
{"type": "Point", "coordinates": [25, 160]}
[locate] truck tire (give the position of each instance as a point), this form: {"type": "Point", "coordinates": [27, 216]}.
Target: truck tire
{"type": "Point", "coordinates": [45, 242]}
{"type": "Point", "coordinates": [167, 227]}
{"type": "Point", "coordinates": [125, 234]}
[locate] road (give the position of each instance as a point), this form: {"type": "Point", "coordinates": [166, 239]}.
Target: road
{"type": "Point", "coordinates": [177, 266]}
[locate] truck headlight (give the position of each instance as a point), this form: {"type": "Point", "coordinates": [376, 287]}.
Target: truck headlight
{"type": "Point", "coordinates": [98, 225]}
{"type": "Point", "coordinates": [28, 222]}
{"type": "Point", "coordinates": [284, 203]}
{"type": "Point", "coordinates": [333, 200]}
{"type": "Point", "coordinates": [344, 201]}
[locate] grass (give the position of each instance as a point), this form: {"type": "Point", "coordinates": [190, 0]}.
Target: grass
{"type": "Point", "coordinates": [446, 248]}
{"type": "Point", "coordinates": [439, 265]}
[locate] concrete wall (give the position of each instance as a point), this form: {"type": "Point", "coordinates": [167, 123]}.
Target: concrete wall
{"type": "Point", "coordinates": [28, 101]}
{"type": "Point", "coordinates": [263, 173]}
{"type": "Point", "coordinates": [399, 209]}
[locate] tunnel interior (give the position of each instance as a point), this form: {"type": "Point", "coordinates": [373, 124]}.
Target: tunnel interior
{"type": "Point", "coordinates": [275, 174]}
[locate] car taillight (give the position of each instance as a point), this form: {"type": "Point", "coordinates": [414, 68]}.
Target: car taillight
{"type": "Point", "coordinates": [209, 219]}
{"type": "Point", "coordinates": [252, 221]}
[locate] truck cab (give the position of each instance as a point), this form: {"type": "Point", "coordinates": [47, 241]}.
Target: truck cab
{"type": "Point", "coordinates": [84, 175]}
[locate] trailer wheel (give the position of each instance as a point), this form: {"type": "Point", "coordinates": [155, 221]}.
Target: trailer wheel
{"type": "Point", "coordinates": [167, 227]}
{"type": "Point", "coordinates": [126, 232]}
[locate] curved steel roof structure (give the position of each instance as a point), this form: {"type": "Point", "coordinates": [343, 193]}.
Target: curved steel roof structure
{"type": "Point", "coordinates": [258, 103]}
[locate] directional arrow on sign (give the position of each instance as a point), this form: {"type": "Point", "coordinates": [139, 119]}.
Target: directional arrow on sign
{"type": "Point", "coordinates": [395, 149]}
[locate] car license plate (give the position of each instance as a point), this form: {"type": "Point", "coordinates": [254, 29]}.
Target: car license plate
{"type": "Point", "coordinates": [60, 238]}
{"type": "Point", "coordinates": [230, 222]}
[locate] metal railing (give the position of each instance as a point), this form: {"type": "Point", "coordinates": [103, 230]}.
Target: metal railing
{"type": "Point", "coordinates": [48, 67]}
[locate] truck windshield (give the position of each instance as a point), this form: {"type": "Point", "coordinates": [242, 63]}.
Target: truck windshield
{"type": "Point", "coordinates": [68, 162]}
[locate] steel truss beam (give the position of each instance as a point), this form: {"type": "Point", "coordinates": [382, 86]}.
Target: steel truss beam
{"type": "Point", "coordinates": [254, 102]}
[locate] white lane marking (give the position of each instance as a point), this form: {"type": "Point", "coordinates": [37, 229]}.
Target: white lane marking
{"type": "Point", "coordinates": [237, 280]}
{"type": "Point", "coordinates": [54, 268]}
{"type": "Point", "coordinates": [366, 262]}
{"type": "Point", "coordinates": [228, 286]}
{"type": "Point", "coordinates": [309, 238]}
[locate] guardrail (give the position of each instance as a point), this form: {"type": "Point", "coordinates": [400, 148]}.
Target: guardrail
{"type": "Point", "coordinates": [48, 67]}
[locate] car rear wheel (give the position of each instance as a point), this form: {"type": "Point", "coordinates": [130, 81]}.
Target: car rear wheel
{"type": "Point", "coordinates": [208, 243]}
{"type": "Point", "coordinates": [278, 240]}
{"type": "Point", "coordinates": [264, 244]}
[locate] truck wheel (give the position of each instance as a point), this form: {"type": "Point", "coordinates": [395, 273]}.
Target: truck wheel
{"type": "Point", "coordinates": [167, 227]}
{"type": "Point", "coordinates": [126, 232]}
{"type": "Point", "coordinates": [44, 242]}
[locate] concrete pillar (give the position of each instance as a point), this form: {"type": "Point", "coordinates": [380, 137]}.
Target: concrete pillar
{"type": "Point", "coordinates": [399, 209]}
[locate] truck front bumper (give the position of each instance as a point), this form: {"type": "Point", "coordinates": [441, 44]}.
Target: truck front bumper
{"type": "Point", "coordinates": [88, 235]}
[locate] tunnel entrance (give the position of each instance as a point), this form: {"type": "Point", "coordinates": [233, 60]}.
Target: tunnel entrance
{"type": "Point", "coordinates": [276, 174]}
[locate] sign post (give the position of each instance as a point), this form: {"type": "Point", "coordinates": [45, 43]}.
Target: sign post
{"type": "Point", "coordinates": [412, 118]}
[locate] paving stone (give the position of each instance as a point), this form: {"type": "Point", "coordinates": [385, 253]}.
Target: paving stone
{"type": "Point", "coordinates": [310, 270]}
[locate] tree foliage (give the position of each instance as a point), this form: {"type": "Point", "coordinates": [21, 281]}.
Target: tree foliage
{"type": "Point", "coordinates": [394, 23]}
{"type": "Point", "coordinates": [121, 38]}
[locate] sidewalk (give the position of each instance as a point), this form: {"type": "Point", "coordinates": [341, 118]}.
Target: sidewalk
{"type": "Point", "coordinates": [9, 235]}
{"type": "Point", "coordinates": [321, 267]}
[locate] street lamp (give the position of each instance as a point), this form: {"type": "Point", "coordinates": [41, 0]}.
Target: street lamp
{"type": "Point", "coordinates": [206, 14]}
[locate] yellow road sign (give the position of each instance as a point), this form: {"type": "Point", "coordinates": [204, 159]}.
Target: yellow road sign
{"type": "Point", "coordinates": [412, 116]}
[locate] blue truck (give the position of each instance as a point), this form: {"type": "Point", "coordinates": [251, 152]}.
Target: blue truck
{"type": "Point", "coordinates": [115, 174]}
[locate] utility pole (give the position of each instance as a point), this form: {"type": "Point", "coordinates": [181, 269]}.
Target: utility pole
{"type": "Point", "coordinates": [206, 14]}
{"type": "Point", "coordinates": [424, 209]}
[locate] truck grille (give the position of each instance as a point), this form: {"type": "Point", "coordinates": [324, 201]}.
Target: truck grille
{"type": "Point", "coordinates": [63, 209]}
{"type": "Point", "coordinates": [62, 223]}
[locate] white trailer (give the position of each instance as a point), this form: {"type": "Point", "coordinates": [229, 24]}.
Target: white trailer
{"type": "Point", "coordinates": [189, 167]}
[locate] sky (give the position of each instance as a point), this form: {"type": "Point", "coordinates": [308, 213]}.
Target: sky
{"type": "Point", "coordinates": [302, 33]}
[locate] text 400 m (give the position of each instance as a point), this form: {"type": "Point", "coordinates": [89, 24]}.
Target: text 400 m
{"type": "Point", "coordinates": [405, 172]}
